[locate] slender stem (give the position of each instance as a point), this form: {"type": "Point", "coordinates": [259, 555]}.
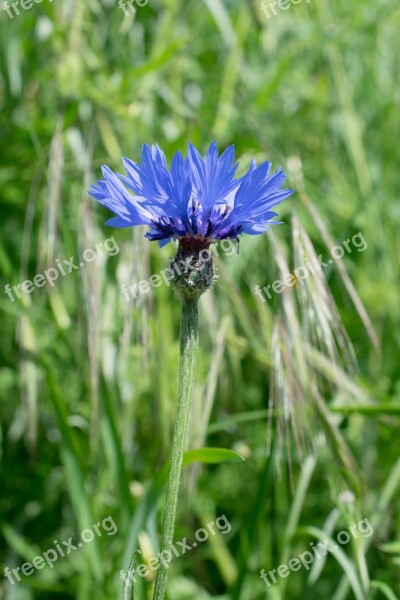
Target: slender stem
{"type": "Point", "coordinates": [187, 363]}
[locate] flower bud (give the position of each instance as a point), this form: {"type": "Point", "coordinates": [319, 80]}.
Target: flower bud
{"type": "Point", "coordinates": [193, 267]}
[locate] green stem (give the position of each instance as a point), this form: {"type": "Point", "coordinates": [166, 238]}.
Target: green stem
{"type": "Point", "coordinates": [187, 363]}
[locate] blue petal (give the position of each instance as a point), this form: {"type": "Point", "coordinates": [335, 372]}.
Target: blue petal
{"type": "Point", "coordinates": [196, 196]}
{"type": "Point", "coordinates": [118, 222]}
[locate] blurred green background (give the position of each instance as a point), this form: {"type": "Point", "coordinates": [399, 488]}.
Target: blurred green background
{"type": "Point", "coordinates": [88, 380]}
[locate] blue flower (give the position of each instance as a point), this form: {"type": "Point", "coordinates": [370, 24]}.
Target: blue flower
{"type": "Point", "coordinates": [196, 198]}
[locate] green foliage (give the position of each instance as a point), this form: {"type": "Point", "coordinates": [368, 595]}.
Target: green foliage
{"type": "Point", "coordinates": [88, 381]}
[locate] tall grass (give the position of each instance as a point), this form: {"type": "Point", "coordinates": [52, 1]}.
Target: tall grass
{"type": "Point", "coordinates": [88, 380]}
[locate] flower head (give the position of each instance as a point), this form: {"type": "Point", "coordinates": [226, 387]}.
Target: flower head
{"type": "Point", "coordinates": [198, 199]}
